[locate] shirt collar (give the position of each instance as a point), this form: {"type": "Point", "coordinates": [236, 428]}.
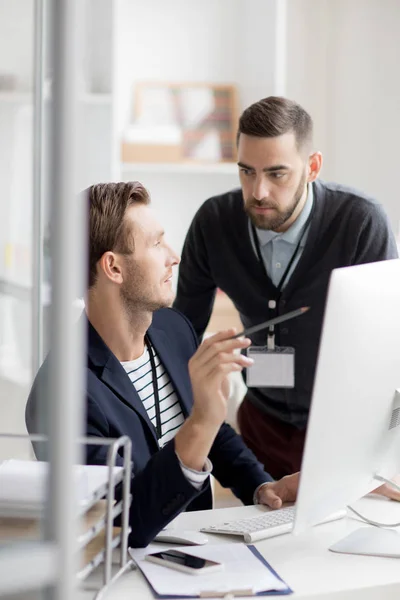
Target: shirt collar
{"type": "Point", "coordinates": [295, 231]}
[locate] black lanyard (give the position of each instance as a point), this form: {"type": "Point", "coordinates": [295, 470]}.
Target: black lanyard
{"type": "Point", "coordinates": [155, 387]}
{"type": "Point", "coordinates": [273, 302]}
{"type": "Point", "coordinates": [294, 255]}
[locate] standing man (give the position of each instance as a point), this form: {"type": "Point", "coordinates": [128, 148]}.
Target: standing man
{"type": "Point", "coordinates": [271, 246]}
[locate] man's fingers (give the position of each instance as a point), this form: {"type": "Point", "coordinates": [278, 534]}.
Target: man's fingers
{"type": "Point", "coordinates": [276, 493]}
{"type": "Point", "coordinates": [223, 345]}
{"type": "Point", "coordinates": [240, 359]}
{"type": "Point", "coordinates": [222, 370]}
{"type": "Point", "coordinates": [224, 364]}
{"type": "Point", "coordinates": [218, 351]}
{"type": "Point", "coordinates": [388, 492]}
{"type": "Point", "coordinates": [224, 336]}
{"type": "Point", "coordinates": [221, 335]}
{"type": "Point", "coordinates": [269, 497]}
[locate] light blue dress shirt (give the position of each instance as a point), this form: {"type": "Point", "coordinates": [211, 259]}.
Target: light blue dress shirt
{"type": "Point", "coordinates": [277, 249]}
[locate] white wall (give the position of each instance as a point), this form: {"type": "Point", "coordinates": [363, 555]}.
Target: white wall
{"type": "Point", "coordinates": [343, 66]}
{"type": "Point", "coordinates": [220, 41]}
{"type": "Point", "coordinates": [16, 41]}
{"type": "Point", "coordinates": [307, 56]}
{"type": "Point", "coordinates": [365, 98]}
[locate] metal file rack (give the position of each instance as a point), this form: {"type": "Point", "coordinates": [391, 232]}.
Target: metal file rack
{"type": "Point", "coordinates": [104, 557]}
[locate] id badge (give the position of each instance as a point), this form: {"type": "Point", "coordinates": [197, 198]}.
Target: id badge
{"type": "Point", "coordinates": [271, 368]}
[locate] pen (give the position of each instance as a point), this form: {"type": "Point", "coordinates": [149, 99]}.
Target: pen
{"type": "Point", "coordinates": [226, 595]}
{"type": "Point", "coordinates": [271, 322]}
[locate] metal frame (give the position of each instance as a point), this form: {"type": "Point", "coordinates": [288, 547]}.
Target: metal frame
{"type": "Point", "coordinates": [68, 343]}
{"type": "Point", "coordinates": [38, 204]}
{"type": "Point", "coordinates": [104, 556]}
{"type": "Point", "coordinates": [66, 408]}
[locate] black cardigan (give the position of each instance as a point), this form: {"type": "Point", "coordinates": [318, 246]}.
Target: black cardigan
{"type": "Point", "coordinates": [347, 228]}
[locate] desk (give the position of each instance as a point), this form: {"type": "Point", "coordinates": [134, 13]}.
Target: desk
{"type": "Point", "coordinates": [304, 562]}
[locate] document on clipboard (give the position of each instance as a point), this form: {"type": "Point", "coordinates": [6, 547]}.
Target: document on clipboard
{"type": "Point", "coordinates": [245, 573]}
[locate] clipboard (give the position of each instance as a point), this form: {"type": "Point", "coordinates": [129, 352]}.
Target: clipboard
{"type": "Point", "coordinates": [228, 593]}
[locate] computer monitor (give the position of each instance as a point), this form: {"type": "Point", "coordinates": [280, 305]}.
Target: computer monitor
{"type": "Point", "coordinates": [354, 424]}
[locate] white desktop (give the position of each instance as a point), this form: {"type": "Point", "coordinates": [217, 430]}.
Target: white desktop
{"type": "Point", "coordinates": [354, 426]}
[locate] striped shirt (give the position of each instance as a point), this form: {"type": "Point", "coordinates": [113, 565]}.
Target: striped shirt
{"type": "Point", "coordinates": [140, 374]}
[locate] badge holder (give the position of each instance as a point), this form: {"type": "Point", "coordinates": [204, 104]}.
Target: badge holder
{"type": "Point", "coordinates": [273, 365]}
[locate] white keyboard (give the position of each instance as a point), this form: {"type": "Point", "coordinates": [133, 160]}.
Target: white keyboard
{"type": "Point", "coordinates": [266, 525]}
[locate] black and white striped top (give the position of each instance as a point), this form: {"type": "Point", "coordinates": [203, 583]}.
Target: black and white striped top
{"type": "Point", "coordinates": [139, 371]}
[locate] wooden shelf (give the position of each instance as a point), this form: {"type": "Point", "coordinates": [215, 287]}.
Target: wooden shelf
{"type": "Point", "coordinates": [15, 528]}
{"type": "Point", "coordinates": [29, 530]}
{"type": "Point", "coordinates": [180, 168]}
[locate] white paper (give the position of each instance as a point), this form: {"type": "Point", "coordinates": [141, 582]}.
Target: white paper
{"type": "Point", "coordinates": [23, 483]}
{"type": "Point", "coordinates": [242, 571]}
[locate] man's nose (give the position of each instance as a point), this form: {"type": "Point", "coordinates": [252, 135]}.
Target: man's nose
{"type": "Point", "coordinates": [174, 259]}
{"type": "Point", "coordinates": [260, 188]}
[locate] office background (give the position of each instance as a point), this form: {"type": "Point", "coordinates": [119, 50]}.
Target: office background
{"type": "Point", "coordinates": [338, 58]}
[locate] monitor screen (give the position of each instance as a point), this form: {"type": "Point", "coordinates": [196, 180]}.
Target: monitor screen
{"type": "Point", "coordinates": [354, 425]}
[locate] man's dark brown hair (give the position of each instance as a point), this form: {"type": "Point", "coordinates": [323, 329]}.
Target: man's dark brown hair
{"type": "Point", "coordinates": [108, 203]}
{"type": "Point", "coordinates": [275, 116]}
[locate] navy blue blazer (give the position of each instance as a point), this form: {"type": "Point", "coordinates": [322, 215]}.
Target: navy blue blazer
{"type": "Point", "coordinates": [159, 489]}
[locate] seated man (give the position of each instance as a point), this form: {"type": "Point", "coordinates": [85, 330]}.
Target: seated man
{"type": "Point", "coordinates": [147, 379]}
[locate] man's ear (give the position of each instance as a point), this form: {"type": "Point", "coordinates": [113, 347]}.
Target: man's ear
{"type": "Point", "coordinates": [314, 166]}
{"type": "Point", "coordinates": [110, 264]}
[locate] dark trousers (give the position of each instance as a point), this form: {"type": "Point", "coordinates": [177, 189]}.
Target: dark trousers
{"type": "Point", "coordinates": [277, 445]}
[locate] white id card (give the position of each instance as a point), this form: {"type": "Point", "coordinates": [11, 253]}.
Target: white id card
{"type": "Point", "coordinates": [271, 368]}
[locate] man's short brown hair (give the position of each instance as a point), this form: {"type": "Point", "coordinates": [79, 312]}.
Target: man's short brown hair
{"type": "Point", "coordinates": [275, 116]}
{"type": "Point", "coordinates": [108, 203]}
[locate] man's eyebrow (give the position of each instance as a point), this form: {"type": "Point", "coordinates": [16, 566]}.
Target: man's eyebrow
{"type": "Point", "coordinates": [267, 169]}
{"type": "Point", "coordinates": [243, 166]}
{"type": "Point", "coordinates": [157, 234]}
{"type": "Point", "coordinates": [276, 168]}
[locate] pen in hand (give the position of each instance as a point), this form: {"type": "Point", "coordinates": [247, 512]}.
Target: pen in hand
{"type": "Point", "coordinates": [271, 322]}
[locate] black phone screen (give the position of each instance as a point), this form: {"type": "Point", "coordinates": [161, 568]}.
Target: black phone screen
{"type": "Point", "coordinates": [187, 560]}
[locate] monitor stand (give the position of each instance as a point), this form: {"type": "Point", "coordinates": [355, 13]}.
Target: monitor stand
{"type": "Point", "coordinates": [370, 541]}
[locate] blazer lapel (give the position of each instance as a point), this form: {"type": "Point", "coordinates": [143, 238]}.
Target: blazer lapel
{"type": "Point", "coordinates": [178, 372]}
{"type": "Point", "coordinates": [113, 375]}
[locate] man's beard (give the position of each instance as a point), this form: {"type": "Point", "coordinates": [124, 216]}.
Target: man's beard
{"type": "Point", "coordinates": [134, 297]}
{"type": "Point", "coordinates": [274, 222]}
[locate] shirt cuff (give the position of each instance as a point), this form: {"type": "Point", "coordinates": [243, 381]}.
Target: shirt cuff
{"type": "Point", "coordinates": [196, 478]}
{"type": "Point", "coordinates": [255, 495]}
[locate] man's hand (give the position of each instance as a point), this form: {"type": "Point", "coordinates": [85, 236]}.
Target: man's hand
{"type": "Point", "coordinates": [275, 493]}
{"type": "Point", "coordinates": [209, 368]}
{"type": "Point", "coordinates": [389, 492]}
{"type": "Point", "coordinates": [285, 490]}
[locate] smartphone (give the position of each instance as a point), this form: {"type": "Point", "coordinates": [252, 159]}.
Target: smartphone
{"type": "Point", "coordinates": [181, 561]}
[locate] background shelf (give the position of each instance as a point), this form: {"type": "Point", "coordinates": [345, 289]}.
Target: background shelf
{"type": "Point", "coordinates": [181, 168]}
